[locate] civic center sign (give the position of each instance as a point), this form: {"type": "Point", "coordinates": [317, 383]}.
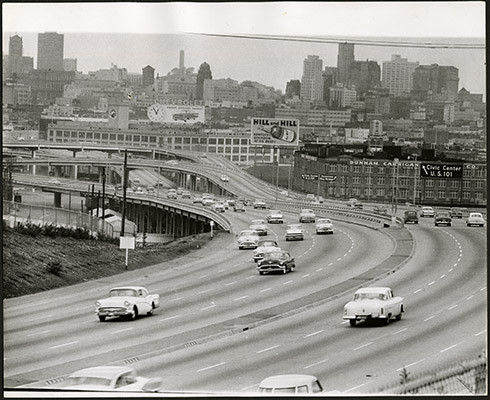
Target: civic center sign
{"type": "Point", "coordinates": [448, 171]}
{"type": "Point", "coordinates": [275, 132]}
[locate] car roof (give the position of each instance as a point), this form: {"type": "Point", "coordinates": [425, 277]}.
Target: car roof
{"type": "Point", "coordinates": [287, 380]}
{"type": "Point", "coordinates": [374, 289]}
{"type": "Point", "coordinates": [105, 371]}
{"type": "Point", "coordinates": [128, 287]}
{"type": "Point", "coordinates": [475, 214]}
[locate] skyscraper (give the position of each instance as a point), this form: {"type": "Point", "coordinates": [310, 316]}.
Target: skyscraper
{"type": "Point", "coordinates": [148, 76]}
{"type": "Point", "coordinates": [436, 78]}
{"type": "Point", "coordinates": [16, 62]}
{"type": "Point", "coordinates": [345, 58]}
{"type": "Point", "coordinates": [312, 80]}
{"type": "Point", "coordinates": [397, 75]}
{"type": "Point", "coordinates": [50, 51]}
{"type": "Point", "coordinates": [15, 46]}
{"type": "Point", "coordinates": [364, 75]}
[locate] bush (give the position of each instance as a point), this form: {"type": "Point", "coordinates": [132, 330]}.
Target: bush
{"type": "Point", "coordinates": [54, 267]}
{"type": "Point", "coordinates": [28, 228]}
{"type": "Point", "coordinates": [50, 230]}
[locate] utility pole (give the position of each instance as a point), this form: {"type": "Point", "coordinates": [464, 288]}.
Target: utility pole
{"type": "Point", "coordinates": [125, 174]}
{"type": "Point", "coordinates": [277, 171]}
{"type": "Point", "coordinates": [103, 192]}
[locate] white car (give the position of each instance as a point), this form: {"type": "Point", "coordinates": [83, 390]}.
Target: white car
{"type": "Point", "coordinates": [275, 217]}
{"type": "Point", "coordinates": [54, 181]}
{"type": "Point", "coordinates": [206, 201]}
{"type": "Point", "coordinates": [128, 301]}
{"type": "Point", "coordinates": [264, 246]}
{"type": "Point", "coordinates": [324, 225]}
{"type": "Point", "coordinates": [248, 239]}
{"type": "Point", "coordinates": [290, 384]}
{"type": "Point", "coordinates": [373, 302]}
{"type": "Point", "coordinates": [294, 232]}
{"type": "Point", "coordinates": [260, 204]}
{"type": "Point", "coordinates": [260, 226]}
{"type": "Point", "coordinates": [426, 212]}
{"type": "Point", "coordinates": [186, 194]}
{"type": "Point", "coordinates": [306, 215]}
{"type": "Point", "coordinates": [219, 207]}
{"type": "Point", "coordinates": [475, 218]}
{"type": "Point", "coordinates": [110, 377]}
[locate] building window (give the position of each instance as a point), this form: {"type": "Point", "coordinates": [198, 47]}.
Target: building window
{"type": "Point", "coordinates": [212, 141]}
{"type": "Point", "coordinates": [144, 138]}
{"type": "Point", "coordinates": [368, 191]}
{"type": "Point", "coordinates": [381, 170]}
{"type": "Point", "coordinates": [403, 193]}
{"type": "Point", "coordinates": [195, 140]}
{"type": "Point", "coordinates": [454, 184]}
{"type": "Point", "coordinates": [221, 141]}
{"type": "Point", "coordinates": [236, 149]}
{"type": "Point", "coordinates": [479, 195]}
{"type": "Point", "coordinates": [244, 142]}
{"type": "Point", "coordinates": [480, 173]}
{"type": "Point", "coordinates": [380, 192]}
{"type": "Point", "coordinates": [113, 137]}
{"type": "Point", "coordinates": [342, 191]}
{"type": "Point", "coordinates": [369, 180]}
{"type": "Point", "coordinates": [356, 180]}
{"type": "Point", "coordinates": [59, 133]}
{"type": "Point", "coordinates": [178, 140]}
{"type": "Point", "coordinates": [466, 184]}
{"type": "Point", "coordinates": [453, 194]}
{"type": "Point", "coordinates": [441, 194]}
{"type": "Point", "coordinates": [333, 168]}
{"type": "Point", "coordinates": [429, 183]}
{"type": "Point", "coordinates": [212, 149]}
{"type": "Point", "coordinates": [187, 140]}
{"type": "Point", "coordinates": [356, 191]}
{"type": "Point", "coordinates": [467, 173]}
{"type": "Point", "coordinates": [429, 194]}
{"type": "Point", "coordinates": [120, 138]}
{"type": "Point", "coordinates": [136, 138]}
{"type": "Point", "coordinates": [96, 135]}
{"type": "Point", "coordinates": [466, 195]}
{"type": "Point", "coordinates": [357, 168]}
{"type": "Point", "coordinates": [479, 184]}
{"type": "Point", "coordinates": [220, 149]}
{"type": "Point", "coordinates": [381, 180]}
{"type": "Point", "coordinates": [369, 169]}
{"type": "Point", "coordinates": [442, 183]}
{"type": "Point", "coordinates": [89, 134]}
{"type": "Point", "coordinates": [236, 141]}
{"type": "Point", "coordinates": [105, 136]}
{"type": "Point", "coordinates": [345, 168]}
{"type": "Point", "coordinates": [342, 179]}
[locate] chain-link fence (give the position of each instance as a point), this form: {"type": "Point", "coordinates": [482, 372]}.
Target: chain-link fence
{"type": "Point", "coordinates": [16, 213]}
{"type": "Point", "coordinates": [467, 376]}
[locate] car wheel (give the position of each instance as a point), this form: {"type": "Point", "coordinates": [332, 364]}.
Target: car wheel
{"type": "Point", "coordinates": [284, 271]}
{"type": "Point", "coordinates": [352, 322]}
{"type": "Point", "coordinates": [152, 309]}
{"type": "Point", "coordinates": [293, 267]}
{"type": "Point", "coordinates": [101, 318]}
{"type": "Point", "coordinates": [133, 314]}
{"type": "Point", "coordinates": [261, 272]}
{"type": "Point", "coordinates": [399, 316]}
{"type": "Point", "coordinates": [387, 320]}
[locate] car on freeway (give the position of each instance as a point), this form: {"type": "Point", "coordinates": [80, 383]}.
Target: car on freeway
{"type": "Point", "coordinates": [410, 216]}
{"type": "Point", "coordinates": [54, 181]}
{"type": "Point", "coordinates": [139, 190]}
{"type": "Point", "coordinates": [206, 201]}
{"type": "Point", "coordinates": [230, 202]}
{"type": "Point", "coordinates": [186, 194]}
{"type": "Point", "coordinates": [264, 246]}
{"type": "Point", "coordinates": [426, 212]}
{"type": "Point", "coordinates": [442, 218]}
{"type": "Point", "coordinates": [180, 190]}
{"type": "Point", "coordinates": [456, 212]}
{"type": "Point", "coordinates": [197, 200]}
{"type": "Point", "coordinates": [259, 204]}
{"type": "Point", "coordinates": [324, 225]}
{"type": "Point", "coordinates": [171, 194]}
{"type": "Point", "coordinates": [128, 301]}
{"type": "Point", "coordinates": [475, 218]}
{"type": "Point", "coordinates": [373, 303]}
{"type": "Point", "coordinates": [248, 239]}
{"type": "Point", "coordinates": [129, 190]}
{"type": "Point", "coordinates": [318, 200]}
{"type": "Point", "coordinates": [110, 378]}
{"type": "Point", "coordinates": [290, 384]}
{"type": "Point", "coordinates": [276, 261]}
{"type": "Point", "coordinates": [294, 232]}
{"type": "Point", "coordinates": [239, 207]}
{"type": "Point", "coordinates": [310, 197]}
{"type": "Point", "coordinates": [219, 207]}
{"type": "Point", "coordinates": [306, 215]}
{"type": "Point", "coordinates": [260, 226]}
{"type": "Point", "coordinates": [274, 217]}
{"type": "Point", "coordinates": [150, 189]}
{"type": "Point", "coordinates": [380, 209]}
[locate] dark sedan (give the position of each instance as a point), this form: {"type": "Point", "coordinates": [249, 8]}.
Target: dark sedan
{"type": "Point", "coordinates": [276, 261]}
{"type": "Point", "coordinates": [442, 218]}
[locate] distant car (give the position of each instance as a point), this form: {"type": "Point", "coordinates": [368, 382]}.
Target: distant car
{"type": "Point", "coordinates": [290, 384]}
{"type": "Point", "coordinates": [206, 201]}
{"type": "Point", "coordinates": [426, 212]}
{"type": "Point", "coordinates": [442, 218]}
{"type": "Point", "coordinates": [219, 207]}
{"type": "Point", "coordinates": [318, 200]}
{"type": "Point", "coordinates": [54, 181]}
{"type": "Point", "coordinates": [139, 190]}
{"type": "Point", "coordinates": [456, 212]}
{"type": "Point", "coordinates": [352, 201]}
{"type": "Point", "coordinates": [150, 189]}
{"type": "Point", "coordinates": [171, 194]}
{"type": "Point", "coordinates": [275, 217]}
{"type": "Point", "coordinates": [110, 378]}
{"type": "Point", "coordinates": [260, 226]}
{"type": "Point", "coordinates": [324, 225]}
{"type": "Point", "coordinates": [260, 204]}
{"type": "Point", "coordinates": [128, 301]}
{"type": "Point", "coordinates": [310, 197]}
{"type": "Point", "coordinates": [180, 190]}
{"type": "Point", "coordinates": [276, 261]}
{"type": "Point", "coordinates": [475, 218]}
{"type": "Point", "coordinates": [248, 239]}
{"type": "Point", "coordinates": [307, 215]}
{"type": "Point", "coordinates": [294, 232]}
{"type": "Point", "coordinates": [380, 209]}
{"type": "Point", "coordinates": [239, 207]}
{"type": "Point", "coordinates": [264, 246]}
{"type": "Point", "coordinates": [197, 199]}
{"type": "Point", "coordinates": [230, 202]}
{"type": "Point", "coordinates": [186, 194]}
{"type": "Point", "coordinates": [373, 302]}
{"type": "Point", "coordinates": [410, 216]}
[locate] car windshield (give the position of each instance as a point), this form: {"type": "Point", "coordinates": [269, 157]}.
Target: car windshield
{"type": "Point", "coordinates": [369, 296]}
{"type": "Point", "coordinates": [267, 243]}
{"type": "Point", "coordinates": [258, 222]}
{"type": "Point", "coordinates": [443, 214]}
{"type": "Point", "coordinates": [275, 255]}
{"type": "Point", "coordinates": [86, 381]}
{"type": "Point", "coordinates": [475, 215]}
{"type": "Point", "coordinates": [247, 233]}
{"type": "Point", "coordinates": [324, 221]}
{"type": "Point", "coordinates": [122, 292]}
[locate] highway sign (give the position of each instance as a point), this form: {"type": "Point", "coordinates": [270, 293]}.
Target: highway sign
{"type": "Point", "coordinates": [441, 170]}
{"type": "Point", "coordinates": [314, 177]}
{"type": "Point", "coordinates": [275, 132]}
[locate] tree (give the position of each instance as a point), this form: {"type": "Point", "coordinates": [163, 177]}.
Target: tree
{"type": "Point", "coordinates": [203, 73]}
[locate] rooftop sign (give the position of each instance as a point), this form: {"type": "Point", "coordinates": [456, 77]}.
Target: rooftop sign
{"type": "Point", "coordinates": [275, 132]}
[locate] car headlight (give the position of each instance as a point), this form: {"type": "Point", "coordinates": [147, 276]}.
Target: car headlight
{"type": "Point", "coordinates": [127, 303]}
{"type": "Point", "coordinates": [97, 303]}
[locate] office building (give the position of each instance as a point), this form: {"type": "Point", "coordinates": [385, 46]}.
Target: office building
{"type": "Point", "coordinates": [345, 58]}
{"type": "Point", "coordinates": [16, 62]}
{"type": "Point", "coordinates": [148, 76]}
{"type": "Point", "coordinates": [341, 97]}
{"type": "Point", "coordinates": [50, 51]}
{"type": "Point", "coordinates": [69, 64]}
{"type": "Point", "coordinates": [312, 80]}
{"type": "Point", "coordinates": [397, 75]}
{"type": "Point", "coordinates": [436, 78]}
{"type": "Point", "coordinates": [364, 76]}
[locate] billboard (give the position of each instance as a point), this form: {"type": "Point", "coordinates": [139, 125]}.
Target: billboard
{"type": "Point", "coordinates": [275, 132]}
{"type": "Point", "coordinates": [178, 114]}
{"type": "Point", "coordinates": [447, 171]}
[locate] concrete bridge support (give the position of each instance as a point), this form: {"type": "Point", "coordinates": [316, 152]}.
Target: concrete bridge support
{"type": "Point", "coordinates": [57, 200]}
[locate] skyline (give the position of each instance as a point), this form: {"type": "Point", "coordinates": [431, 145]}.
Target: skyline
{"type": "Point", "coordinates": [266, 62]}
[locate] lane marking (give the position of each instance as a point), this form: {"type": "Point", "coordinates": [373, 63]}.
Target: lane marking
{"type": "Point", "coordinates": [418, 290]}
{"type": "Point", "coordinates": [269, 348]}
{"type": "Point", "coordinates": [401, 330]}
{"type": "Point", "coordinates": [432, 283]}
{"type": "Point", "coordinates": [340, 258]}
{"type": "Point", "coordinates": [230, 283]}
{"type": "Point", "coordinates": [425, 320]}
{"type": "Point", "coordinates": [204, 291]}
{"type": "Point", "coordinates": [318, 362]}
{"type": "Point", "coordinates": [250, 277]}
{"type": "Point", "coordinates": [287, 283]}
{"type": "Point", "coordinates": [241, 298]}
{"type": "Point", "coordinates": [221, 270]}
{"type": "Point", "coordinates": [84, 308]}
{"type": "Point", "coordinates": [450, 308]}
{"type": "Point", "coordinates": [356, 387]}
{"type": "Point", "coordinates": [169, 318]}
{"type": "Point", "coordinates": [330, 264]}
{"type": "Point", "coordinates": [35, 319]}
{"type": "Point", "coordinates": [313, 334]}
{"type": "Point", "coordinates": [305, 275]}
{"type": "Point", "coordinates": [442, 276]}
{"type": "Point", "coordinates": [265, 290]}
{"type": "Point", "coordinates": [178, 298]}
{"type": "Point", "coordinates": [470, 297]}
{"type": "Point", "coordinates": [64, 344]}
{"type": "Point", "coordinates": [38, 333]}
{"type": "Point", "coordinates": [410, 365]}
{"type": "Point", "coordinates": [211, 366]}
{"type": "Point", "coordinates": [483, 288]}
{"type": "Point", "coordinates": [208, 307]}
{"type": "Point", "coordinates": [364, 345]}
{"type": "Point", "coordinates": [250, 387]}
{"type": "Point", "coordinates": [319, 269]}
{"type": "Point", "coordinates": [450, 347]}
{"type": "Point", "coordinates": [451, 268]}
{"type": "Point", "coordinates": [121, 330]}
{"type": "Point", "coordinates": [479, 333]}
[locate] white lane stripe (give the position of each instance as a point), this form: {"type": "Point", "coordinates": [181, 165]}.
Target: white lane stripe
{"type": "Point", "coordinates": [356, 387]}
{"type": "Point", "coordinates": [442, 276]}
{"type": "Point", "coordinates": [432, 283]}
{"type": "Point", "coordinates": [241, 298]}
{"type": "Point", "coordinates": [450, 347]}
{"type": "Point", "coordinates": [319, 269]}
{"type": "Point", "coordinates": [169, 318]}
{"type": "Point", "coordinates": [329, 264]}
{"type": "Point", "coordinates": [450, 269]}
{"type": "Point", "coordinates": [483, 288]}
{"type": "Point", "coordinates": [250, 277]}
{"type": "Point", "coordinates": [250, 387]}
{"type": "Point", "coordinates": [450, 308]}
{"type": "Point", "coordinates": [269, 348]}
{"type": "Point", "coordinates": [265, 290]}
{"type": "Point", "coordinates": [340, 258]}
{"type": "Point", "coordinates": [287, 283]}
{"type": "Point", "coordinates": [470, 297]}
{"type": "Point", "coordinates": [121, 330]}
{"type": "Point", "coordinates": [221, 270]}
{"type": "Point", "coordinates": [305, 275]}
{"type": "Point", "coordinates": [418, 290]}
{"type": "Point", "coordinates": [208, 307]}
{"type": "Point", "coordinates": [429, 318]}
{"type": "Point", "coordinates": [178, 298]}
{"type": "Point", "coordinates": [230, 283]}
{"type": "Point", "coordinates": [455, 264]}
{"type": "Point", "coordinates": [313, 334]}
{"type": "Point", "coordinates": [39, 333]}
{"type": "Point", "coordinates": [411, 365]}
{"type": "Point", "coordinates": [397, 332]}
{"type": "Point", "coordinates": [479, 333]}
{"type": "Point", "coordinates": [204, 276]}
{"type": "Point", "coordinates": [364, 345]}
{"type": "Point", "coordinates": [64, 344]}
{"type": "Point", "coordinates": [211, 366]}
{"type": "Point", "coordinates": [318, 362]}
{"type": "Point", "coordinates": [84, 308]}
{"type": "Point", "coordinates": [204, 291]}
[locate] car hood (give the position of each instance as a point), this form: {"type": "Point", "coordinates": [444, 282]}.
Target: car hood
{"type": "Point", "coordinates": [248, 238]}
{"type": "Point", "coordinates": [294, 231]}
{"type": "Point", "coordinates": [115, 301]}
{"type": "Point", "coordinates": [324, 225]}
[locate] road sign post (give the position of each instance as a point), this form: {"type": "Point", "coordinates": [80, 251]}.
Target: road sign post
{"type": "Point", "coordinates": [211, 224]}
{"type": "Point", "coordinates": [127, 242]}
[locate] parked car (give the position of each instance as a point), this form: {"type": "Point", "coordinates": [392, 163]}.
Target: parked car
{"type": "Point", "coordinates": [110, 378]}
{"type": "Point", "coordinates": [139, 190]}
{"type": "Point", "coordinates": [410, 216]}
{"type": "Point", "coordinates": [456, 212]}
{"type": "Point", "coordinates": [150, 189]}
{"type": "Point", "coordinates": [373, 302]}
{"type": "Point", "coordinates": [295, 232]}
{"type": "Point", "coordinates": [239, 207]}
{"type": "Point", "coordinates": [426, 212]}
{"type": "Point", "coordinates": [276, 261]}
{"type": "Point", "coordinates": [290, 384]}
{"type": "Point", "coordinates": [475, 218]}
{"type": "Point", "coordinates": [442, 218]}
{"type": "Point", "coordinates": [260, 204]}
{"type": "Point", "coordinates": [186, 194]}
{"type": "Point", "coordinates": [310, 197]}
{"type": "Point", "coordinates": [263, 246]}
{"type": "Point", "coordinates": [260, 226]}
{"type": "Point", "coordinates": [324, 225]}
{"type": "Point", "coordinates": [307, 215]}
{"type": "Point", "coordinates": [128, 301]}
{"type": "Point", "coordinates": [248, 239]}
{"type": "Point", "coordinates": [54, 181]}
{"type": "Point", "coordinates": [275, 217]}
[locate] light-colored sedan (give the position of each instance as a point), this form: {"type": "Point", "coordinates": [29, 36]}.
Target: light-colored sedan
{"type": "Point", "coordinates": [264, 246]}
{"type": "Point", "coordinates": [324, 225]}
{"type": "Point", "coordinates": [294, 232]}
{"type": "Point", "coordinates": [307, 215]}
{"type": "Point", "coordinates": [248, 239]}
{"type": "Point", "coordinates": [475, 218]}
{"type": "Point", "coordinates": [290, 384]}
{"type": "Point", "coordinates": [426, 212]}
{"type": "Point", "coordinates": [260, 226]}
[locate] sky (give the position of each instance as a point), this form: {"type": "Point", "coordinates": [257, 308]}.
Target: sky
{"type": "Point", "coordinates": [133, 35]}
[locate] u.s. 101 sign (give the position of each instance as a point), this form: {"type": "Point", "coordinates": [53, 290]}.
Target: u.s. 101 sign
{"type": "Point", "coordinates": [441, 170]}
{"type": "Point", "coordinates": [275, 132]}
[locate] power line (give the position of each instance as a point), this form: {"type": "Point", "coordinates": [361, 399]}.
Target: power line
{"type": "Point", "coordinates": [359, 42]}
